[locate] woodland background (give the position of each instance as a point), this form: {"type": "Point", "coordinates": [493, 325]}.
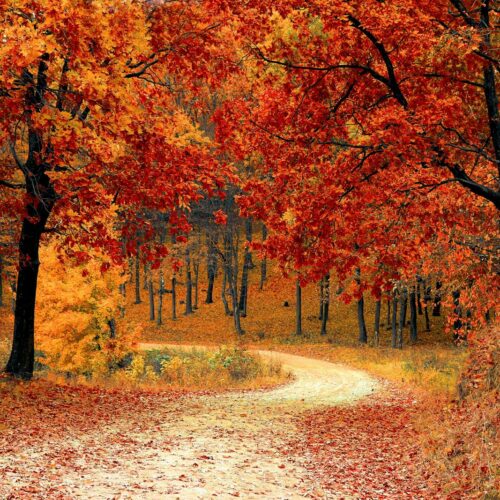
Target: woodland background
{"type": "Point", "coordinates": [319, 179]}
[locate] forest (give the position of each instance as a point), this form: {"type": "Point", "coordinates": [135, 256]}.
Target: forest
{"type": "Point", "coordinates": [249, 249]}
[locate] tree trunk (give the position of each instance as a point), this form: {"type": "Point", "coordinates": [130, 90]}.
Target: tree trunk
{"type": "Point", "coordinates": [436, 310]}
{"type": "Point", "coordinates": [394, 320]}
{"type": "Point", "coordinates": [427, 299]}
{"type": "Point", "coordinates": [321, 298]}
{"type": "Point", "coordinates": [137, 276]}
{"type": "Point", "coordinates": [196, 282]}
{"type": "Point", "coordinates": [161, 291]}
{"type": "Point", "coordinates": [413, 316]}
{"type": "Point", "coordinates": [247, 265]}
{"type": "Point", "coordinates": [123, 292]}
{"type": "Point", "coordinates": [112, 328]}
{"type": "Point", "coordinates": [263, 263]}
{"type": "Point", "coordinates": [363, 337]}
{"type": "Point", "coordinates": [419, 297]}
{"type": "Point", "coordinates": [42, 196]}
{"type": "Point", "coordinates": [174, 298]}
{"type": "Point", "coordinates": [403, 299]}
{"type": "Point", "coordinates": [298, 308]}
{"type": "Point", "coordinates": [325, 303]}
{"type": "Point", "coordinates": [376, 329]}
{"type": "Point", "coordinates": [227, 311]}
{"type": "Point", "coordinates": [189, 286]}
{"type": "Point", "coordinates": [388, 326]}
{"type": "Point", "coordinates": [151, 299]}
{"type": "Point", "coordinates": [211, 270]}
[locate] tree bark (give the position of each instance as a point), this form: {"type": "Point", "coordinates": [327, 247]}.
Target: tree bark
{"type": "Point", "coordinates": [1, 281]}
{"type": "Point", "coordinates": [137, 276]}
{"type": "Point", "coordinates": [174, 298]}
{"type": "Point", "coordinates": [41, 198]}
{"type": "Point", "coordinates": [376, 329]}
{"type": "Point", "coordinates": [247, 265]}
{"type": "Point", "coordinates": [394, 320]}
{"type": "Point", "coordinates": [196, 283]}
{"type": "Point", "coordinates": [413, 316]}
{"type": "Point", "coordinates": [151, 299]}
{"type": "Point", "coordinates": [363, 336]}
{"type": "Point", "coordinates": [403, 299]}
{"type": "Point", "coordinates": [189, 286]}
{"type": "Point", "coordinates": [161, 291]}
{"type": "Point", "coordinates": [388, 326]}
{"type": "Point", "coordinates": [211, 270]}
{"type": "Point", "coordinates": [263, 262]}
{"type": "Point", "coordinates": [298, 308]}
{"type": "Point", "coordinates": [436, 309]}
{"type": "Point", "coordinates": [325, 303]}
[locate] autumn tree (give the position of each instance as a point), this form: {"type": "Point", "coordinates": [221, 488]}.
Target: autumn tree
{"type": "Point", "coordinates": [90, 121]}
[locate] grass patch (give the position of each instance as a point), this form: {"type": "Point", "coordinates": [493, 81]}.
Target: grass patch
{"type": "Point", "coordinates": [225, 368]}
{"type": "Point", "coordinates": [435, 369]}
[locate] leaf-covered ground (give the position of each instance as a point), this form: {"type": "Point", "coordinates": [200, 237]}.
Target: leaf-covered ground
{"type": "Point", "coordinates": [369, 451]}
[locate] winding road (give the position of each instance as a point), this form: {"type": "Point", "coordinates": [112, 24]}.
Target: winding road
{"type": "Point", "coordinates": [216, 446]}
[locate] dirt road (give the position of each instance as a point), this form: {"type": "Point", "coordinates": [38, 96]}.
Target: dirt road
{"type": "Point", "coordinates": [217, 446]}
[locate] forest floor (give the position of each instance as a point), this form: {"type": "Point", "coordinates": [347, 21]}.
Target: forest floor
{"type": "Point", "coordinates": [256, 444]}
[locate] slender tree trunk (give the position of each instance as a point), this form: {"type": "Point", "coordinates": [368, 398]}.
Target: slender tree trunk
{"type": "Point", "coordinates": [403, 298]}
{"type": "Point", "coordinates": [325, 303]}
{"type": "Point", "coordinates": [419, 297]}
{"type": "Point", "coordinates": [321, 298]}
{"type": "Point", "coordinates": [211, 269]}
{"type": "Point", "coordinates": [174, 298]}
{"type": "Point", "coordinates": [436, 310]}
{"type": "Point", "coordinates": [196, 282]}
{"type": "Point", "coordinates": [413, 316]}
{"type": "Point", "coordinates": [298, 308]}
{"type": "Point", "coordinates": [394, 320]}
{"type": "Point", "coordinates": [247, 265]}
{"type": "Point", "coordinates": [427, 299]}
{"type": "Point", "coordinates": [376, 330]}
{"type": "Point", "coordinates": [123, 292]}
{"type": "Point", "coordinates": [263, 262]}
{"type": "Point", "coordinates": [151, 299]}
{"type": "Point", "coordinates": [227, 311]}
{"type": "Point", "coordinates": [161, 291]}
{"type": "Point", "coordinates": [189, 286]}
{"type": "Point", "coordinates": [363, 336]}
{"type": "Point", "coordinates": [388, 317]}
{"type": "Point", "coordinates": [137, 277]}
{"type": "Point", "coordinates": [112, 328]}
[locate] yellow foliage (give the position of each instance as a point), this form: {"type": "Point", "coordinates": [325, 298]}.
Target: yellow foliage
{"type": "Point", "coordinates": [74, 308]}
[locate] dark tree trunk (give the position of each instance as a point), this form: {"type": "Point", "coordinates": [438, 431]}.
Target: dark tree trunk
{"type": "Point", "coordinates": [325, 304]}
{"type": "Point", "coordinates": [112, 328]}
{"type": "Point", "coordinates": [363, 336]}
{"type": "Point", "coordinates": [413, 316]}
{"type": "Point", "coordinates": [457, 312]}
{"type": "Point", "coordinates": [189, 286]}
{"type": "Point", "coordinates": [151, 299]}
{"type": "Point", "coordinates": [436, 310]}
{"type": "Point", "coordinates": [161, 291]}
{"type": "Point", "coordinates": [394, 320]}
{"type": "Point", "coordinates": [247, 265]}
{"type": "Point", "coordinates": [173, 291]}
{"type": "Point", "coordinates": [403, 299]}
{"type": "Point", "coordinates": [388, 326]}
{"type": "Point", "coordinates": [263, 263]}
{"type": "Point", "coordinates": [211, 270]}
{"type": "Point", "coordinates": [196, 283]}
{"type": "Point", "coordinates": [298, 308]}
{"type": "Point", "coordinates": [227, 310]}
{"type": "Point", "coordinates": [427, 299]}
{"type": "Point", "coordinates": [376, 329]}
{"type": "Point", "coordinates": [419, 297]}
{"type": "Point", "coordinates": [321, 298]}
{"type": "Point", "coordinates": [41, 195]}
{"type": "Point", "coordinates": [137, 276]}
